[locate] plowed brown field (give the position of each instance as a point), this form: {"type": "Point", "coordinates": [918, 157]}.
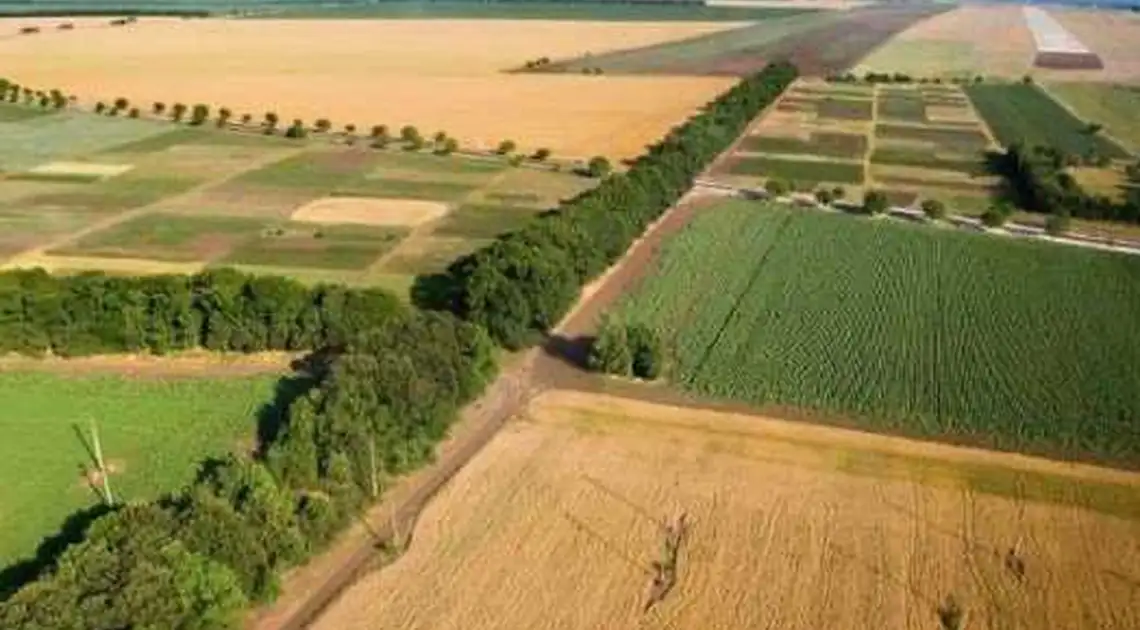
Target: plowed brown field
{"type": "Point", "coordinates": [557, 522]}
{"type": "Point", "coordinates": [436, 74]}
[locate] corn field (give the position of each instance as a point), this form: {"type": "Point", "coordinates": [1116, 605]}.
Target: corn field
{"type": "Point", "coordinates": [912, 329]}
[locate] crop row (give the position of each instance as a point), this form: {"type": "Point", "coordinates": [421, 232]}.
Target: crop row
{"type": "Point", "coordinates": [921, 332]}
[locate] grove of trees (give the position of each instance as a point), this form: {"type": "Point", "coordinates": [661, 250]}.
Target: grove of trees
{"type": "Point", "coordinates": [1038, 178]}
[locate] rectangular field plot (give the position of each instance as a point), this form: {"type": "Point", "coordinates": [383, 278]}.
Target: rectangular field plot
{"type": "Point", "coordinates": [122, 193]}
{"type": "Point", "coordinates": [905, 107]}
{"type": "Point", "coordinates": [927, 159]}
{"type": "Point", "coordinates": [297, 246]}
{"type": "Point", "coordinates": [557, 522]}
{"type": "Point", "coordinates": [166, 237]}
{"type": "Point", "coordinates": [1023, 113]}
{"type": "Point", "coordinates": [483, 221]}
{"type": "Point", "coordinates": [823, 143]}
{"type": "Point", "coordinates": [154, 434]}
{"type": "Point", "coordinates": [1114, 106]}
{"type": "Point", "coordinates": [905, 328]}
{"type": "Point", "coordinates": [965, 140]}
{"type": "Point", "coordinates": [844, 108]}
{"type": "Point", "coordinates": [31, 142]}
{"type": "Point", "coordinates": [801, 171]}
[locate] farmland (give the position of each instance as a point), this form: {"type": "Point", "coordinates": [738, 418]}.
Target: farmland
{"type": "Point", "coordinates": [142, 196]}
{"type": "Point", "coordinates": [557, 521]}
{"type": "Point", "coordinates": [818, 43]}
{"type": "Point", "coordinates": [926, 332]}
{"type": "Point", "coordinates": [1024, 113]}
{"type": "Point", "coordinates": [1111, 105]}
{"type": "Point", "coordinates": [154, 432]}
{"type": "Point", "coordinates": [434, 74]}
{"type": "Point", "coordinates": [910, 141]}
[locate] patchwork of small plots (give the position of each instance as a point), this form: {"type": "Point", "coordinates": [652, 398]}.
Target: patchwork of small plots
{"type": "Point", "coordinates": [911, 141]}
{"type": "Point", "coordinates": [145, 197]}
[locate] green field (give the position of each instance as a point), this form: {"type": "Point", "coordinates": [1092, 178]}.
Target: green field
{"type": "Point", "coordinates": [904, 107]}
{"type": "Point", "coordinates": [1024, 113]}
{"type": "Point", "coordinates": [960, 139]}
{"type": "Point", "coordinates": [801, 171]}
{"type": "Point", "coordinates": [201, 196]}
{"type": "Point", "coordinates": [821, 143]}
{"type": "Point", "coordinates": [925, 159]}
{"type": "Point", "coordinates": [1114, 106]}
{"type": "Point", "coordinates": [904, 328]}
{"type": "Point", "coordinates": [154, 433]}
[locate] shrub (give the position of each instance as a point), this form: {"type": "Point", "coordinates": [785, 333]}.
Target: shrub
{"type": "Point", "coordinates": [875, 202]}
{"type": "Point", "coordinates": [447, 147]}
{"type": "Point", "coordinates": [506, 146]}
{"type": "Point", "coordinates": [839, 192]}
{"type": "Point", "coordinates": [996, 215]}
{"type": "Point", "coordinates": [100, 107]}
{"type": "Point", "coordinates": [824, 196]}
{"type": "Point", "coordinates": [322, 125]}
{"type": "Point", "coordinates": [121, 103]}
{"type": "Point", "coordinates": [158, 108]}
{"type": "Point", "coordinates": [610, 351]}
{"type": "Point", "coordinates": [598, 166]}
{"type": "Point", "coordinates": [1057, 224]}
{"type": "Point", "coordinates": [934, 209]}
{"type": "Point", "coordinates": [177, 112]}
{"type": "Point", "coordinates": [646, 350]}
{"type": "Point", "coordinates": [296, 130]}
{"type": "Point", "coordinates": [776, 187]}
{"type": "Point", "coordinates": [133, 113]}
{"type": "Point", "coordinates": [199, 114]}
{"type": "Point", "coordinates": [541, 155]}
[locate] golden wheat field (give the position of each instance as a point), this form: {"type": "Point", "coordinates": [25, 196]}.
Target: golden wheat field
{"type": "Point", "coordinates": [435, 74]}
{"type": "Point", "coordinates": [558, 522]}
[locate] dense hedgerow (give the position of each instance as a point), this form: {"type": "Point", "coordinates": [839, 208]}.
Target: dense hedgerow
{"type": "Point", "coordinates": [523, 283]}
{"type": "Point", "coordinates": [1037, 175]}
{"type": "Point", "coordinates": [196, 558]}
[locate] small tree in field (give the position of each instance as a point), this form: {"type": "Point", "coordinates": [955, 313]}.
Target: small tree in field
{"type": "Point", "coordinates": [413, 141]}
{"type": "Point", "coordinates": [838, 192]}
{"type": "Point", "coordinates": [541, 155]}
{"type": "Point", "coordinates": [996, 215]}
{"type": "Point", "coordinates": [875, 202]}
{"type": "Point", "coordinates": [776, 187]}
{"type": "Point", "coordinates": [322, 125]}
{"type": "Point", "coordinates": [133, 113]}
{"type": "Point", "coordinates": [934, 209]}
{"type": "Point", "coordinates": [599, 166]}
{"type": "Point", "coordinates": [505, 147]}
{"type": "Point", "coordinates": [177, 112]}
{"type": "Point", "coordinates": [378, 131]}
{"type": "Point", "coordinates": [439, 137]}
{"type": "Point", "coordinates": [246, 119]}
{"type": "Point", "coordinates": [99, 107]}
{"type": "Point", "coordinates": [296, 130]}
{"type": "Point", "coordinates": [824, 197]}
{"type": "Point", "coordinates": [609, 352]}
{"type": "Point", "coordinates": [224, 115]}
{"type": "Point", "coordinates": [200, 114]}
{"type": "Point", "coordinates": [158, 108]}
{"type": "Point", "coordinates": [447, 147]}
{"type": "Point", "coordinates": [122, 103]}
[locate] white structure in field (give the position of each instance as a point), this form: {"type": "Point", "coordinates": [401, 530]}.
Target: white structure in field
{"type": "Point", "coordinates": [1050, 36]}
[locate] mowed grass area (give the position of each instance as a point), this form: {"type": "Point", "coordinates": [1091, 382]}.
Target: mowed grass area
{"type": "Point", "coordinates": [1024, 113]}
{"type": "Point", "coordinates": [904, 328]}
{"type": "Point", "coordinates": [557, 521]}
{"type": "Point", "coordinates": [198, 196]}
{"type": "Point", "coordinates": [153, 432]}
{"type": "Point", "coordinates": [1114, 106]}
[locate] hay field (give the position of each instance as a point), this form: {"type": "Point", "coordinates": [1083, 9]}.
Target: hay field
{"type": "Point", "coordinates": [435, 74]}
{"type": "Point", "coordinates": [793, 526]}
{"type": "Point", "coordinates": [972, 39]}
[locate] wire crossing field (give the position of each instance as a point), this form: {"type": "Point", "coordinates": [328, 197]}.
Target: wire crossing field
{"type": "Point", "coordinates": [153, 433]}
{"type": "Point", "coordinates": [1010, 344]}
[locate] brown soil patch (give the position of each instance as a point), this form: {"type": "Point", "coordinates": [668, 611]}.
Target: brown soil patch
{"type": "Point", "coordinates": [435, 74]}
{"type": "Point", "coordinates": [367, 211]}
{"type": "Point", "coordinates": [557, 522]}
{"type": "Point", "coordinates": [189, 364]}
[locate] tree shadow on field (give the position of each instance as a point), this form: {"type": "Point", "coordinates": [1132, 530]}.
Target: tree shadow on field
{"type": "Point", "coordinates": [308, 373]}
{"type": "Point", "coordinates": [573, 351]}
{"type": "Point", "coordinates": [16, 575]}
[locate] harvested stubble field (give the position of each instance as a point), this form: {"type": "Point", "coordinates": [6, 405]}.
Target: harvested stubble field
{"type": "Point", "coordinates": [990, 40]}
{"type": "Point", "coordinates": [904, 328]}
{"type": "Point", "coordinates": [196, 196]}
{"type": "Point", "coordinates": [1025, 113]}
{"type": "Point", "coordinates": [1112, 105]}
{"type": "Point", "coordinates": [1112, 35]}
{"type": "Point", "coordinates": [154, 433]}
{"type": "Point", "coordinates": [436, 74]}
{"type": "Point", "coordinates": [557, 521]}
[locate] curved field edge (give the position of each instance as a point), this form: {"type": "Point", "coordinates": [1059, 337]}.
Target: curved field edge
{"type": "Point", "coordinates": [554, 524]}
{"type": "Point", "coordinates": [904, 329]}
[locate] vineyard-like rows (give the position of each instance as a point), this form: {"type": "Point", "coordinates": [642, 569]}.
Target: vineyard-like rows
{"type": "Point", "coordinates": [1009, 344]}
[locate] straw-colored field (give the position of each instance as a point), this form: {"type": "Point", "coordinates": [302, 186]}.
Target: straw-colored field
{"type": "Point", "coordinates": [435, 74]}
{"type": "Point", "coordinates": [1113, 35]}
{"type": "Point", "coordinates": [365, 211]}
{"type": "Point", "coordinates": [972, 39]}
{"type": "Point", "coordinates": [557, 522]}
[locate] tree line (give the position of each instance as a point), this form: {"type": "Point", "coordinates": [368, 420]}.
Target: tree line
{"type": "Point", "coordinates": [522, 284]}
{"type": "Point", "coordinates": [198, 557]}
{"type": "Point", "coordinates": [1037, 176]}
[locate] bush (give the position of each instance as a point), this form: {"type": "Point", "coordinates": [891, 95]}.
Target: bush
{"type": "Point", "coordinates": [996, 215]}
{"type": "Point", "coordinates": [824, 196]}
{"type": "Point", "coordinates": [776, 187]}
{"type": "Point", "coordinates": [933, 209]}
{"type": "Point", "coordinates": [627, 350]}
{"type": "Point", "coordinates": [875, 202]}
{"type": "Point", "coordinates": [541, 155]}
{"type": "Point", "coordinates": [598, 166]}
{"type": "Point", "coordinates": [505, 147]}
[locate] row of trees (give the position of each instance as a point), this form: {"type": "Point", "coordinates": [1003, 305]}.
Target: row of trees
{"type": "Point", "coordinates": [522, 284]}
{"type": "Point", "coordinates": [196, 558]}
{"type": "Point", "coordinates": [898, 77]}
{"type": "Point", "coordinates": [15, 93]}
{"type": "Point", "coordinates": [1039, 179]}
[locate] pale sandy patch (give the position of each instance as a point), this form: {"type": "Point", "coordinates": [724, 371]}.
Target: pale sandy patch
{"type": "Point", "coordinates": [84, 169]}
{"type": "Point", "coordinates": [369, 211]}
{"type": "Point", "coordinates": [556, 524]}
{"type": "Point", "coordinates": [435, 74]}
{"type": "Point", "coordinates": [946, 113]}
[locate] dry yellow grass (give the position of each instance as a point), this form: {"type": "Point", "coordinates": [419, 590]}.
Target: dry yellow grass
{"type": "Point", "coordinates": [794, 526]}
{"type": "Point", "coordinates": [368, 211]}
{"type": "Point", "coordinates": [435, 74]}
{"type": "Point", "coordinates": [1110, 182]}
